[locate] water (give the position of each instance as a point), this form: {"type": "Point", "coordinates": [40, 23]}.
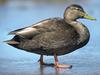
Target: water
{"type": "Point", "coordinates": [17, 62]}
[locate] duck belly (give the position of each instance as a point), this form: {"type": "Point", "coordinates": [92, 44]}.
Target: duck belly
{"type": "Point", "coordinates": [51, 52]}
{"type": "Point", "coordinates": [52, 42]}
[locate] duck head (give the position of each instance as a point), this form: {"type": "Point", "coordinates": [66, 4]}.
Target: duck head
{"type": "Point", "coordinates": [74, 12]}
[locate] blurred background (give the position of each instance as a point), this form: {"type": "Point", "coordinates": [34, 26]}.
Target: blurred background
{"type": "Point", "coordinates": [16, 14]}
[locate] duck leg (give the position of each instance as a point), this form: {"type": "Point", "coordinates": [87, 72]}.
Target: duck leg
{"type": "Point", "coordinates": [60, 65]}
{"type": "Point", "coordinates": [41, 60]}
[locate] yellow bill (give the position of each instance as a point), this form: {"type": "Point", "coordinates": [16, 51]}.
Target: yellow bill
{"type": "Point", "coordinates": [86, 16]}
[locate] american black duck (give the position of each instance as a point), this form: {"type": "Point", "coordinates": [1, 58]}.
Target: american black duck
{"type": "Point", "coordinates": [54, 36]}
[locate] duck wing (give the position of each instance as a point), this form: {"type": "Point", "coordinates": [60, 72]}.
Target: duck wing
{"type": "Point", "coordinates": [40, 27]}
{"type": "Point", "coordinates": [26, 32]}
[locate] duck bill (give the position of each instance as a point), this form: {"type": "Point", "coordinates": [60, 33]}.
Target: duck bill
{"type": "Point", "coordinates": [86, 16]}
{"type": "Point", "coordinates": [11, 42]}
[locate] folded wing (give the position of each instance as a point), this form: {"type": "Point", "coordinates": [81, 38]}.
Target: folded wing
{"type": "Point", "coordinates": [29, 32]}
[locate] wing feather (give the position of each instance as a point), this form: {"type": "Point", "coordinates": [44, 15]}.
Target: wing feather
{"type": "Point", "coordinates": [43, 26]}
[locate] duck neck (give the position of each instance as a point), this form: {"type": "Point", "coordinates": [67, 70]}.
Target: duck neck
{"type": "Point", "coordinates": [81, 30]}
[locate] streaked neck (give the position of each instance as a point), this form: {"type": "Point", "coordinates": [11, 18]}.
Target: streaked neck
{"type": "Point", "coordinates": [81, 30]}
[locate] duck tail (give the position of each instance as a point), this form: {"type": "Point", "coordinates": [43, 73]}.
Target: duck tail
{"type": "Point", "coordinates": [12, 33]}
{"type": "Point", "coordinates": [15, 31]}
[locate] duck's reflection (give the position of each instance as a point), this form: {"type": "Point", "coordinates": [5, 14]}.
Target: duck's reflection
{"type": "Point", "coordinates": [43, 70]}
{"type": "Point", "coordinates": [52, 70]}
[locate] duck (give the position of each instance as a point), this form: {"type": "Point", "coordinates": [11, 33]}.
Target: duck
{"type": "Point", "coordinates": [54, 36]}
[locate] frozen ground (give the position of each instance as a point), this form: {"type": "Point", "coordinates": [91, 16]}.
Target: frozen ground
{"type": "Point", "coordinates": [85, 61]}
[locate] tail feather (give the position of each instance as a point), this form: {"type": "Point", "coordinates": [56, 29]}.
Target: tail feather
{"type": "Point", "coordinates": [15, 31]}
{"type": "Point", "coordinates": [12, 33]}
{"type": "Point", "coordinates": [11, 42]}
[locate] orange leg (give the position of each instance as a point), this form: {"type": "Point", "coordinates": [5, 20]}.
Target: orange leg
{"type": "Point", "coordinates": [60, 65]}
{"type": "Point", "coordinates": [41, 60]}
